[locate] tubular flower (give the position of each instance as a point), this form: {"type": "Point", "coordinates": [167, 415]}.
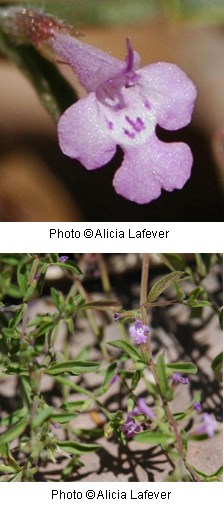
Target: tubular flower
{"type": "Point", "coordinates": [208, 425]}
{"type": "Point", "coordinates": [139, 332]}
{"type": "Point", "coordinates": [123, 106]}
{"type": "Point", "coordinates": [177, 378]}
{"type": "Point", "coordinates": [143, 408]}
{"type": "Point", "coordinates": [197, 406]}
{"type": "Point", "coordinates": [130, 428]}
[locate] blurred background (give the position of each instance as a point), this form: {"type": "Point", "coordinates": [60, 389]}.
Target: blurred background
{"type": "Point", "coordinates": [39, 183]}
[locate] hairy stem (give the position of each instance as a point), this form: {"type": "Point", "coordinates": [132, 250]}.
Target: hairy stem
{"type": "Point", "coordinates": [147, 347]}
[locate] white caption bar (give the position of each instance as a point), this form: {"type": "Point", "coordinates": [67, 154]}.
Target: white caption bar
{"type": "Point", "coordinates": [169, 497]}
{"type": "Point", "coordinates": [111, 237]}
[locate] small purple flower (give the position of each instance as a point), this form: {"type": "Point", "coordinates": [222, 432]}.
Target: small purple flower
{"type": "Point", "coordinates": [139, 332]}
{"type": "Point", "coordinates": [130, 428]}
{"type": "Point", "coordinates": [117, 317]}
{"type": "Point", "coordinates": [197, 406]}
{"type": "Point", "coordinates": [63, 259]}
{"type": "Point", "coordinates": [145, 409]}
{"type": "Point", "coordinates": [177, 378]}
{"type": "Point", "coordinates": [208, 425]}
{"type": "Point", "coordinates": [124, 105]}
{"type": "Point", "coordinates": [114, 379]}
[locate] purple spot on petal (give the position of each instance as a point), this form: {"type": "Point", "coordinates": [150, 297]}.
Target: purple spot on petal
{"type": "Point", "coordinates": [131, 135]}
{"type": "Point", "coordinates": [110, 125]}
{"type": "Point", "coordinates": [147, 104]}
{"type": "Point", "coordinates": [138, 125]}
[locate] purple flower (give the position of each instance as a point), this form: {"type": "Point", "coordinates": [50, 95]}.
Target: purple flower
{"type": "Point", "coordinates": [117, 317]}
{"type": "Point", "coordinates": [139, 332]}
{"type": "Point", "coordinates": [63, 259]}
{"type": "Point", "coordinates": [130, 428]}
{"type": "Point", "coordinates": [197, 406]}
{"type": "Point", "coordinates": [177, 378]}
{"type": "Point", "coordinates": [124, 105]}
{"type": "Point", "coordinates": [144, 408]}
{"type": "Point", "coordinates": [114, 379]}
{"type": "Point", "coordinates": [208, 425]}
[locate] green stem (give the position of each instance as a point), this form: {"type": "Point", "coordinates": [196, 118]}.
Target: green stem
{"type": "Point", "coordinates": [33, 270]}
{"type": "Point", "coordinates": [147, 347]}
{"type": "Point", "coordinates": [104, 275]}
{"type": "Point", "coordinates": [143, 299]}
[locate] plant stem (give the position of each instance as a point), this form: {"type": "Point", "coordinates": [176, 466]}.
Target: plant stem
{"type": "Point", "coordinates": [152, 365]}
{"type": "Point", "coordinates": [104, 275]}
{"type": "Point", "coordinates": [143, 300]}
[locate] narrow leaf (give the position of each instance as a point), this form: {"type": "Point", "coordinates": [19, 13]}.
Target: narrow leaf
{"type": "Point", "coordinates": [14, 432]}
{"type": "Point", "coordinates": [161, 369]}
{"type": "Point", "coordinates": [165, 282]}
{"type": "Point", "coordinates": [77, 448]}
{"type": "Point", "coordinates": [63, 417]}
{"type": "Point", "coordinates": [69, 265]}
{"type": "Point", "coordinates": [128, 349]}
{"type": "Point", "coordinates": [42, 416]}
{"type": "Point", "coordinates": [217, 365]}
{"type": "Point", "coordinates": [73, 367]}
{"type": "Point", "coordinates": [77, 405]}
{"type": "Point", "coordinates": [182, 367]}
{"type": "Point", "coordinates": [102, 305]}
{"type": "Point", "coordinates": [149, 437]}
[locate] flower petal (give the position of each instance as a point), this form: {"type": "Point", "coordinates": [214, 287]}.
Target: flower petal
{"type": "Point", "coordinates": [170, 92]}
{"type": "Point", "coordinates": [84, 135]}
{"type": "Point", "coordinates": [148, 168]}
{"type": "Point", "coordinates": [91, 65]}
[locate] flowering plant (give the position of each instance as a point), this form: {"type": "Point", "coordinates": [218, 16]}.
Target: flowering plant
{"type": "Point", "coordinates": [124, 105]}
{"type": "Point", "coordinates": [66, 391]}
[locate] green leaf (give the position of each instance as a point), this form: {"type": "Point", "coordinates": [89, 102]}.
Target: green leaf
{"type": "Point", "coordinates": [44, 324]}
{"type": "Point", "coordinates": [17, 317]}
{"type": "Point", "coordinates": [197, 298]}
{"type": "Point", "coordinates": [128, 349]}
{"type": "Point", "coordinates": [173, 261]}
{"type": "Point", "coordinates": [217, 365]}
{"type": "Point", "coordinates": [14, 292]}
{"type": "Point", "coordinates": [14, 417]}
{"type": "Point", "coordinates": [135, 379]}
{"type": "Point", "coordinates": [77, 405]}
{"type": "Point", "coordinates": [73, 367]}
{"type": "Point", "coordinates": [103, 305]}
{"type": "Point", "coordinates": [14, 432]}
{"type": "Point", "coordinates": [165, 282]}
{"type": "Point", "coordinates": [69, 265]}
{"type": "Point", "coordinates": [163, 380]}
{"type": "Point", "coordinates": [63, 417]}
{"type": "Point", "coordinates": [149, 437]}
{"type": "Point", "coordinates": [6, 469]}
{"type": "Point", "coordinates": [58, 299]}
{"type": "Point", "coordinates": [65, 382]}
{"type": "Point", "coordinates": [110, 371]}
{"type": "Point", "coordinates": [16, 370]}
{"type": "Point", "coordinates": [182, 367]}
{"type": "Point", "coordinates": [22, 277]}
{"type": "Point", "coordinates": [204, 261]}
{"type": "Point", "coordinates": [41, 416]}
{"type": "Point", "coordinates": [179, 415]}
{"type": "Point", "coordinates": [77, 448]}
{"type": "Point", "coordinates": [212, 476]}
